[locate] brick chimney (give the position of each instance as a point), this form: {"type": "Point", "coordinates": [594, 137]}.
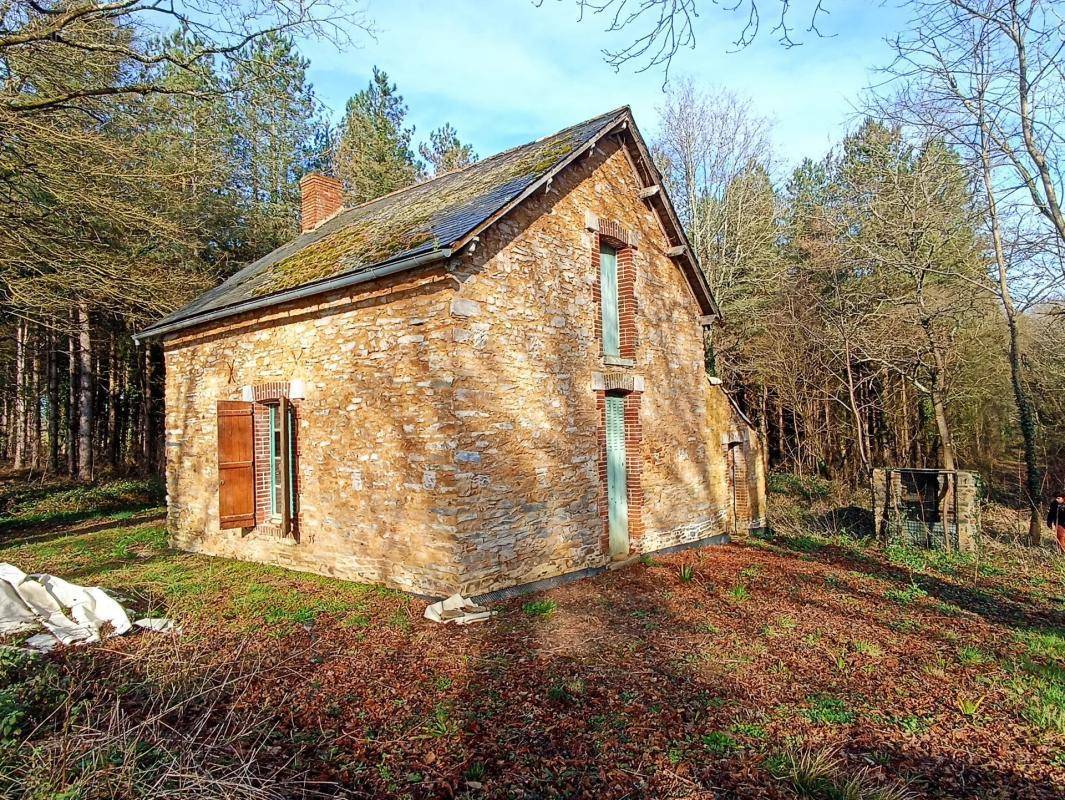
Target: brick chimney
{"type": "Point", "coordinates": [321, 198]}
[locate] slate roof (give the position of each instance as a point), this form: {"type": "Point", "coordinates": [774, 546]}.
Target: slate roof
{"type": "Point", "coordinates": [419, 220]}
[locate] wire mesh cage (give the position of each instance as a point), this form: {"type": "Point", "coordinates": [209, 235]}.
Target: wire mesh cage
{"type": "Point", "coordinates": [931, 508]}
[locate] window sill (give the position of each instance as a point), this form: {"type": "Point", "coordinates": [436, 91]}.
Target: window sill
{"type": "Point", "coordinates": [617, 361]}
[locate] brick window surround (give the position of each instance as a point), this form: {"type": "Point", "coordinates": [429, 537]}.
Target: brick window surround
{"type": "Point", "coordinates": [613, 235]}
{"type": "Point", "coordinates": [267, 394]}
{"type": "Point", "coordinates": [633, 468]}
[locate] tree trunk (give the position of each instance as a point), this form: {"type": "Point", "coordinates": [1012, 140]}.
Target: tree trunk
{"type": "Point", "coordinates": [85, 396]}
{"type": "Point", "coordinates": [112, 403]}
{"type": "Point", "coordinates": [852, 398]}
{"type": "Point", "coordinates": [1026, 413]}
{"type": "Point", "coordinates": [36, 382]}
{"type": "Point", "coordinates": [946, 441]}
{"type": "Point", "coordinates": [53, 404]}
{"type": "Point", "coordinates": [72, 407]}
{"type": "Point", "coordinates": [149, 412]}
{"type": "Point", "coordinates": [19, 422]}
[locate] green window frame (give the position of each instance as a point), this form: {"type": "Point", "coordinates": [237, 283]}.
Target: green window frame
{"type": "Point", "coordinates": [608, 300]}
{"type": "Point", "coordinates": [282, 462]}
{"type": "Point", "coordinates": [275, 459]}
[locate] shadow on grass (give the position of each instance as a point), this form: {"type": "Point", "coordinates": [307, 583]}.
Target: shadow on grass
{"type": "Point", "coordinates": [16, 532]}
{"type": "Point", "coordinates": [1018, 610]}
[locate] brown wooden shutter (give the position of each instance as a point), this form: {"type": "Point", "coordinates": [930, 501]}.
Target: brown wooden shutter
{"type": "Point", "coordinates": [236, 465]}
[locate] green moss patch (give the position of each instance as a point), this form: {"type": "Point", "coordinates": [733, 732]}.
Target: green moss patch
{"type": "Point", "coordinates": [398, 223]}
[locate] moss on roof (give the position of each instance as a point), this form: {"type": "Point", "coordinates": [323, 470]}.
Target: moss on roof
{"type": "Point", "coordinates": [414, 221]}
{"type": "Point", "coordinates": [405, 221]}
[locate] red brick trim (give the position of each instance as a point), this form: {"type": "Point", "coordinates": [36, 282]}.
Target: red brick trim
{"type": "Point", "coordinates": [274, 390]}
{"type": "Point", "coordinates": [633, 470]}
{"type": "Point", "coordinates": [634, 467]}
{"type": "Point", "coordinates": [613, 235]}
{"type": "Point", "coordinates": [265, 394]}
{"type": "Point", "coordinates": [597, 292]}
{"type": "Point", "coordinates": [261, 419]}
{"type": "Point", "coordinates": [627, 301]}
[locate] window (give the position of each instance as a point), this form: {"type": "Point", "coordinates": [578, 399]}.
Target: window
{"type": "Point", "coordinates": [281, 464]}
{"type": "Point", "coordinates": [275, 459]}
{"type": "Point", "coordinates": [608, 293]}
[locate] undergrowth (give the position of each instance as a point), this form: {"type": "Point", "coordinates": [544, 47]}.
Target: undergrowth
{"type": "Point", "coordinates": [24, 506]}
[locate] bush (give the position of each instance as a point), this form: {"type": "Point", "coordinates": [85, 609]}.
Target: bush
{"type": "Point", "coordinates": [28, 692]}
{"type": "Point", "coordinates": [808, 487]}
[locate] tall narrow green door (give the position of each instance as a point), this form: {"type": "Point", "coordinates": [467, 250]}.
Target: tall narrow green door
{"type": "Point", "coordinates": [616, 479]}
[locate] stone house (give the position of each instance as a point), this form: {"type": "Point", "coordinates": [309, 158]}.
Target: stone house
{"type": "Point", "coordinates": [487, 380]}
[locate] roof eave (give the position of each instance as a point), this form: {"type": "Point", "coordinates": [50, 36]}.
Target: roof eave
{"type": "Point", "coordinates": [300, 292]}
{"type": "Point", "coordinates": [696, 276]}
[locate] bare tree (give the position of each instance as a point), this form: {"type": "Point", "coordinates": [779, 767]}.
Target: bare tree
{"type": "Point", "coordinates": [984, 77]}
{"type": "Point", "coordinates": [998, 64]}
{"type": "Point", "coordinates": [707, 140]}
{"type": "Point", "coordinates": [660, 29]}
{"type": "Point", "coordinates": [57, 54]}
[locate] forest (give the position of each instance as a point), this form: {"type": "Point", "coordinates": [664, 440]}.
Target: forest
{"type": "Point", "coordinates": [893, 301]}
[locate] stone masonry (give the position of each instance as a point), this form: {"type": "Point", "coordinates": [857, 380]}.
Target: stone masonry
{"type": "Point", "coordinates": [449, 433]}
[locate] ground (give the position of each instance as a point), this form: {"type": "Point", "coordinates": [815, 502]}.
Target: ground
{"type": "Point", "coordinates": [806, 663]}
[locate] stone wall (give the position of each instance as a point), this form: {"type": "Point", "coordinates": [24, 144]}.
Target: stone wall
{"type": "Point", "coordinates": [528, 362]}
{"type": "Point", "coordinates": [449, 437]}
{"type": "Point", "coordinates": [373, 432]}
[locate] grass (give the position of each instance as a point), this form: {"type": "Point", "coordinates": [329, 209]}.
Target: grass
{"type": "Point", "coordinates": [865, 648]}
{"type": "Point", "coordinates": [1039, 679]}
{"type": "Point", "coordinates": [969, 705]}
{"type": "Point", "coordinates": [540, 608]}
{"type": "Point", "coordinates": [48, 504]}
{"type": "Point", "coordinates": [739, 593]}
{"type": "Point", "coordinates": [907, 596]}
{"type": "Point", "coordinates": [912, 724]}
{"type": "Point", "coordinates": [827, 710]}
{"type": "Point", "coordinates": [719, 743]}
{"type": "Point", "coordinates": [822, 774]}
{"type": "Point", "coordinates": [972, 656]}
{"type": "Point", "coordinates": [138, 563]}
{"type": "Point", "coordinates": [280, 679]}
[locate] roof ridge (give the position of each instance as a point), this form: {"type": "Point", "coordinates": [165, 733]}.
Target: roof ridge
{"type": "Point", "coordinates": [492, 157]}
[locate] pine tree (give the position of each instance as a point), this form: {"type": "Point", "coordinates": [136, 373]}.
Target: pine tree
{"type": "Point", "coordinates": [277, 128]}
{"type": "Point", "coordinates": [373, 156]}
{"type": "Point", "coordinates": [444, 152]}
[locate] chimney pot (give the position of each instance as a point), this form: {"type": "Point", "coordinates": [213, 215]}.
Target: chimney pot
{"type": "Point", "coordinates": [321, 197]}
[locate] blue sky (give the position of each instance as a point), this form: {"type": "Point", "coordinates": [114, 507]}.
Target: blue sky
{"type": "Point", "coordinates": [504, 72]}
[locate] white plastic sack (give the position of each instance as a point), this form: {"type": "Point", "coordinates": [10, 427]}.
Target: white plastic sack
{"type": "Point", "coordinates": [70, 613]}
